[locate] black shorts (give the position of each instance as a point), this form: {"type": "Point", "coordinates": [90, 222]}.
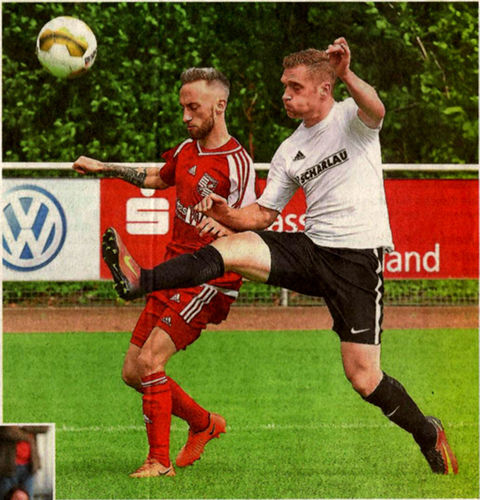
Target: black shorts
{"type": "Point", "coordinates": [349, 280]}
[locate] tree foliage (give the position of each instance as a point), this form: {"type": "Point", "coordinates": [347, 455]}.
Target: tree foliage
{"type": "Point", "coordinates": [421, 57]}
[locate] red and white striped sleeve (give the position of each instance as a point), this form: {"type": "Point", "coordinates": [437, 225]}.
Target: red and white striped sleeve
{"type": "Point", "coordinates": [242, 179]}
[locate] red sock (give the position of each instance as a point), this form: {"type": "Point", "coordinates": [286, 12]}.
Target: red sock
{"type": "Point", "coordinates": [185, 407]}
{"type": "Point", "coordinates": [157, 412]}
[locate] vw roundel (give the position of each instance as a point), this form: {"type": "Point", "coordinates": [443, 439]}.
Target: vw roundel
{"type": "Point", "coordinates": [34, 228]}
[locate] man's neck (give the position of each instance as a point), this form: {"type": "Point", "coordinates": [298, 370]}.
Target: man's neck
{"type": "Point", "coordinates": [216, 138]}
{"type": "Point", "coordinates": [322, 113]}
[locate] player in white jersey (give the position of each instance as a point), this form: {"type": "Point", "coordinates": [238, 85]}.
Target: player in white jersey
{"type": "Point", "coordinates": [337, 162]}
{"type": "Point", "coordinates": [334, 156]}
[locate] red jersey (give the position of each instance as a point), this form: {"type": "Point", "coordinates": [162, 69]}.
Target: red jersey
{"type": "Point", "coordinates": [196, 172]}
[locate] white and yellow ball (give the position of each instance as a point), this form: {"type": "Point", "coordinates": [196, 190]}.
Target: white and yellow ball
{"type": "Point", "coordinates": [66, 47]}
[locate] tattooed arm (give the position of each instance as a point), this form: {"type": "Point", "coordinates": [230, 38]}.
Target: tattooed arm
{"type": "Point", "coordinates": [143, 177]}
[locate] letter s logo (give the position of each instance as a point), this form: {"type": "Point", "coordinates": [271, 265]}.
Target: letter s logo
{"type": "Point", "coordinates": [148, 216]}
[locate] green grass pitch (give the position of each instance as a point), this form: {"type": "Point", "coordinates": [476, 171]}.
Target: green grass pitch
{"type": "Point", "coordinates": [295, 428]}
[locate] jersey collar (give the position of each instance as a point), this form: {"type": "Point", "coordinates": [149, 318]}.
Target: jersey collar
{"type": "Point", "coordinates": [232, 146]}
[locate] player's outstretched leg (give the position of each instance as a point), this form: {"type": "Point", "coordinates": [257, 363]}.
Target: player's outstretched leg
{"type": "Point", "coordinates": [440, 456]}
{"type": "Point", "coordinates": [124, 268]}
{"type": "Point", "coordinates": [196, 441]}
{"type": "Point", "coordinates": [132, 281]}
{"type": "Point", "coordinates": [184, 271]}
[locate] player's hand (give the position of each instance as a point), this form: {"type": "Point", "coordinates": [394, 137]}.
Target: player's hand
{"type": "Point", "coordinates": [339, 56]}
{"type": "Point", "coordinates": [210, 226]}
{"type": "Point", "coordinates": [85, 165]}
{"type": "Point", "coordinates": [214, 206]}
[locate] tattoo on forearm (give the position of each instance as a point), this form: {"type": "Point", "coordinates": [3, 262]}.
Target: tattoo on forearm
{"type": "Point", "coordinates": [135, 176]}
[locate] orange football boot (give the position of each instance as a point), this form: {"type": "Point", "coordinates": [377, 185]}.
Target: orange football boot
{"type": "Point", "coordinates": [440, 457]}
{"type": "Point", "coordinates": [193, 448]}
{"type": "Point", "coordinates": [152, 468]}
{"type": "Point", "coordinates": [124, 268]}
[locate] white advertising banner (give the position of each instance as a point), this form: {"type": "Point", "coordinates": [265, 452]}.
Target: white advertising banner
{"type": "Point", "coordinates": [50, 229]}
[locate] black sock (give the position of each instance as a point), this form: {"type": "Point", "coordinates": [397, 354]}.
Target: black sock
{"type": "Point", "coordinates": [392, 398]}
{"type": "Point", "coordinates": [184, 271]}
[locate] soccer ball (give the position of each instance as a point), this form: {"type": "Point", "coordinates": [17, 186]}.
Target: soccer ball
{"type": "Point", "coordinates": [66, 47]}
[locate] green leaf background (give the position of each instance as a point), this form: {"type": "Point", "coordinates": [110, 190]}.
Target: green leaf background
{"type": "Point", "coordinates": [421, 56]}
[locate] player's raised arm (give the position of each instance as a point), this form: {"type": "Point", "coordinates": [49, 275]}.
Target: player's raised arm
{"type": "Point", "coordinates": [252, 216]}
{"type": "Point", "coordinates": [143, 177]}
{"type": "Point", "coordinates": [371, 109]}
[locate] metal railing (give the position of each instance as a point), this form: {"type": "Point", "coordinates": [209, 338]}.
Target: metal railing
{"type": "Point", "coordinates": [387, 167]}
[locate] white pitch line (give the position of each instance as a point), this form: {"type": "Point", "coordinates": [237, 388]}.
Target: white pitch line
{"type": "Point", "coordinates": [259, 427]}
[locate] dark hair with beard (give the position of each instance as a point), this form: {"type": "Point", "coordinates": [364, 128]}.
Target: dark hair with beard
{"type": "Point", "coordinates": [210, 75]}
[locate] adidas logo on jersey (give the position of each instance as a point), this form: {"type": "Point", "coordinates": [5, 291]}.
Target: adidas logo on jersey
{"type": "Point", "coordinates": [299, 156]}
{"type": "Point", "coordinates": [167, 320]}
{"type": "Point", "coordinates": [193, 170]}
{"type": "Point", "coordinates": [175, 298]}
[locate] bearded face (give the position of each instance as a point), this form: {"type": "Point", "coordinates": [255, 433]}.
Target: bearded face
{"type": "Point", "coordinates": [200, 128]}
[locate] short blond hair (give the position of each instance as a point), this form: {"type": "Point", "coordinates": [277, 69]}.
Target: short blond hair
{"type": "Point", "coordinates": [315, 60]}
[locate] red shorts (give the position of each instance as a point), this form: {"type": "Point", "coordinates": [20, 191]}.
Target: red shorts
{"type": "Point", "coordinates": [183, 313]}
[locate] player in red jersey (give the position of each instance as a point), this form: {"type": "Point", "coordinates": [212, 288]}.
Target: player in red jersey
{"type": "Point", "coordinates": [210, 161]}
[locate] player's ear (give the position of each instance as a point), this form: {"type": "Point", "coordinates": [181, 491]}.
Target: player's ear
{"type": "Point", "coordinates": [221, 106]}
{"type": "Point", "coordinates": [325, 89]}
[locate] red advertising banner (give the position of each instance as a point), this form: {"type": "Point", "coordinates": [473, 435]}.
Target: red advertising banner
{"type": "Point", "coordinates": [142, 217]}
{"type": "Point", "coordinates": [435, 228]}
{"type": "Point", "coordinates": [434, 224]}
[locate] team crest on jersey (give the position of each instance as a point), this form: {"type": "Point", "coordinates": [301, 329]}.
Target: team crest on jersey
{"type": "Point", "coordinates": [329, 162]}
{"type": "Point", "coordinates": [207, 185]}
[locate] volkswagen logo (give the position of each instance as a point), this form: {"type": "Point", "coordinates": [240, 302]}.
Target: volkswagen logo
{"type": "Point", "coordinates": [34, 228]}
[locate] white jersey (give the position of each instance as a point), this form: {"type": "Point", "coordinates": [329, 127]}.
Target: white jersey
{"type": "Point", "coordinates": [338, 164]}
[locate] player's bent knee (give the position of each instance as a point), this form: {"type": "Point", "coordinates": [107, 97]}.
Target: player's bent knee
{"type": "Point", "coordinates": [129, 372]}
{"type": "Point", "coordinates": [238, 246]}
{"type": "Point", "coordinates": [129, 368]}
{"type": "Point", "coordinates": [245, 253]}
{"type": "Point", "coordinates": [363, 381]}
{"type": "Point", "coordinates": [155, 353]}
{"type": "Point", "coordinates": [130, 378]}
{"type": "Point", "coordinates": [148, 363]}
